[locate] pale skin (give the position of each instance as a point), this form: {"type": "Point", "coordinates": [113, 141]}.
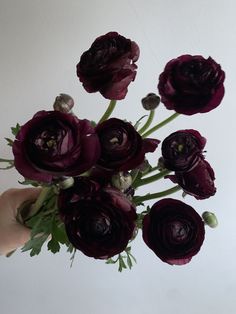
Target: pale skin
{"type": "Point", "coordinates": [13, 234]}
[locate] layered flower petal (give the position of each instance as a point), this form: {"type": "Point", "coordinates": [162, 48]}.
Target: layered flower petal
{"type": "Point", "coordinates": [191, 84]}
{"type": "Point", "coordinates": [174, 231]}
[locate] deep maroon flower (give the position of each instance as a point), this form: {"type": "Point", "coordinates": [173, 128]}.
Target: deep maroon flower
{"type": "Point", "coordinates": [174, 231]}
{"type": "Point", "coordinates": [198, 182]}
{"type": "Point", "coordinates": [109, 66]}
{"type": "Point", "coordinates": [54, 144]}
{"type": "Point", "coordinates": [191, 84]}
{"type": "Point", "coordinates": [181, 150]}
{"type": "Point", "coordinates": [100, 223]}
{"type": "Point", "coordinates": [122, 148]}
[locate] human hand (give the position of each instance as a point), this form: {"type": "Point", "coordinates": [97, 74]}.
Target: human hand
{"type": "Point", "coordinates": [13, 234]}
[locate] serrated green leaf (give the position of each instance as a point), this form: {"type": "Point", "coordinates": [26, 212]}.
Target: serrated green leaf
{"type": "Point", "coordinates": [53, 246]}
{"type": "Point", "coordinates": [110, 261]}
{"type": "Point", "coordinates": [35, 244]}
{"type": "Point", "coordinates": [121, 263]}
{"type": "Point", "coordinates": [16, 129]}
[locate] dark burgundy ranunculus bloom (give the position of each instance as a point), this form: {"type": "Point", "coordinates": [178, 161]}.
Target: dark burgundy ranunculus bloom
{"type": "Point", "coordinates": [54, 144]}
{"type": "Point", "coordinates": [109, 66]}
{"type": "Point", "coordinates": [122, 148]}
{"type": "Point", "coordinates": [198, 182]}
{"type": "Point", "coordinates": [191, 84]}
{"type": "Point", "coordinates": [181, 150]}
{"type": "Point", "coordinates": [100, 223]}
{"type": "Point", "coordinates": [174, 231]}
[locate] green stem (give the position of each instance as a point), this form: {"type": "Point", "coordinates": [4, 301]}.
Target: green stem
{"type": "Point", "coordinates": [148, 122]}
{"type": "Point", "coordinates": [151, 170]}
{"type": "Point", "coordinates": [150, 179]}
{"type": "Point", "coordinates": [40, 200]}
{"type": "Point", "coordinates": [141, 199]}
{"type": "Point", "coordinates": [6, 160]}
{"type": "Point", "coordinates": [161, 124]}
{"type": "Point", "coordinates": [108, 112]}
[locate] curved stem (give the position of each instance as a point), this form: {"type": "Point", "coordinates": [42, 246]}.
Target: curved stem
{"type": "Point", "coordinates": [151, 178]}
{"type": "Point", "coordinates": [161, 124]}
{"type": "Point", "coordinates": [40, 200]}
{"type": "Point", "coordinates": [148, 122]}
{"type": "Point", "coordinates": [108, 112]}
{"type": "Point", "coordinates": [6, 160]}
{"type": "Point", "coordinates": [140, 199]}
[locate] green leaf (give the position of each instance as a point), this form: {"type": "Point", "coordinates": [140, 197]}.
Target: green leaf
{"type": "Point", "coordinates": [110, 261]}
{"type": "Point", "coordinates": [121, 263]}
{"type": "Point", "coordinates": [70, 248]}
{"type": "Point", "coordinates": [9, 141]}
{"type": "Point", "coordinates": [72, 257]}
{"type": "Point", "coordinates": [53, 246]}
{"type": "Point", "coordinates": [35, 244]}
{"type": "Point", "coordinates": [137, 123]}
{"type": "Point", "coordinates": [59, 232]}
{"type": "Point", "coordinates": [16, 129]}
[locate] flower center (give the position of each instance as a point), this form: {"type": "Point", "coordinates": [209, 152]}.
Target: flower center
{"type": "Point", "coordinates": [179, 231]}
{"type": "Point", "coordinates": [100, 226]}
{"type": "Point", "coordinates": [113, 140]}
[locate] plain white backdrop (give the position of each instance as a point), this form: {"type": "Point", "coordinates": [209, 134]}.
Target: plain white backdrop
{"type": "Point", "coordinates": [40, 45]}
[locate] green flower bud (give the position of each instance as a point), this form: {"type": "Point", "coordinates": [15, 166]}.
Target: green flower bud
{"type": "Point", "coordinates": [151, 101]}
{"type": "Point", "coordinates": [161, 164]}
{"type": "Point", "coordinates": [210, 219]}
{"type": "Point", "coordinates": [121, 180]}
{"type": "Point", "coordinates": [63, 103]}
{"type": "Point", "coordinates": [66, 183]}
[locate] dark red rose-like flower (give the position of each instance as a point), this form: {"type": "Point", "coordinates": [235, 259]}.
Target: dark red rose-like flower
{"type": "Point", "coordinates": [54, 144]}
{"type": "Point", "coordinates": [109, 66]}
{"type": "Point", "coordinates": [122, 148]}
{"type": "Point", "coordinates": [174, 231]}
{"type": "Point", "coordinates": [100, 223]}
{"type": "Point", "coordinates": [191, 84]}
{"type": "Point", "coordinates": [198, 182]}
{"type": "Point", "coordinates": [182, 150]}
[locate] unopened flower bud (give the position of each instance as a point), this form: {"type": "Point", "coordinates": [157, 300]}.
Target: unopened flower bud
{"type": "Point", "coordinates": [210, 219]}
{"type": "Point", "coordinates": [151, 101]}
{"type": "Point", "coordinates": [66, 183]}
{"type": "Point", "coordinates": [63, 103]}
{"type": "Point", "coordinates": [144, 167]}
{"type": "Point", "coordinates": [122, 180]}
{"type": "Point", "coordinates": [161, 164]}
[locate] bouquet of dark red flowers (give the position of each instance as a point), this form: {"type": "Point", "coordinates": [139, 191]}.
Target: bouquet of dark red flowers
{"type": "Point", "coordinates": [89, 172]}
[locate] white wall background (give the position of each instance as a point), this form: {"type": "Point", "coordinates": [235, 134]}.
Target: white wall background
{"type": "Point", "coordinates": [40, 45]}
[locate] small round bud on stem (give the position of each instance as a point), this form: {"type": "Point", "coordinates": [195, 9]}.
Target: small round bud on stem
{"type": "Point", "coordinates": [161, 164]}
{"type": "Point", "coordinates": [122, 181]}
{"type": "Point", "coordinates": [66, 183]}
{"type": "Point", "coordinates": [210, 219]}
{"type": "Point", "coordinates": [63, 103]}
{"type": "Point", "coordinates": [151, 101]}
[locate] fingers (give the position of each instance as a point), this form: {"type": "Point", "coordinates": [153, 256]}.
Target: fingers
{"type": "Point", "coordinates": [12, 234]}
{"type": "Point", "coordinates": [11, 200]}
